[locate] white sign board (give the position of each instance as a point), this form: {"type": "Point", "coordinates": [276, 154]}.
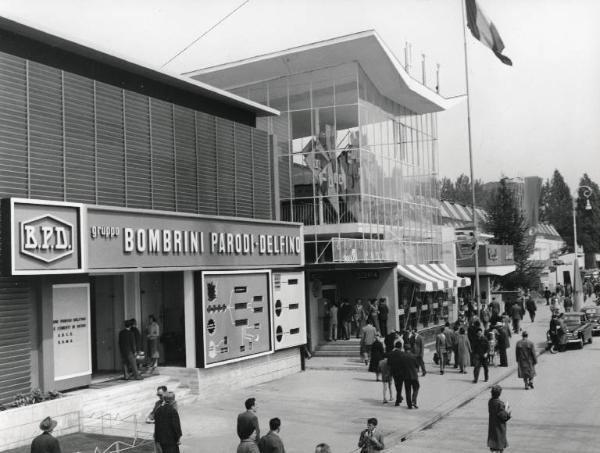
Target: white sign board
{"type": "Point", "coordinates": [71, 330]}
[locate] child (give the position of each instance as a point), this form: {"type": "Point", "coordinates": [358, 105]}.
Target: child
{"type": "Point", "coordinates": [386, 379]}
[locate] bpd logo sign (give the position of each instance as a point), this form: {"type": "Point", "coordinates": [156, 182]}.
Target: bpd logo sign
{"type": "Point", "coordinates": [46, 238]}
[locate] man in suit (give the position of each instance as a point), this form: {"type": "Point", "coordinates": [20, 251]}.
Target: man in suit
{"type": "Point", "coordinates": [247, 423]}
{"type": "Point", "coordinates": [371, 439]}
{"type": "Point", "coordinates": [411, 377]}
{"type": "Point", "coordinates": [271, 443]}
{"type": "Point", "coordinates": [167, 427]}
{"type": "Point", "coordinates": [395, 365]}
{"type": "Point", "coordinates": [45, 442]}
{"type": "Point", "coordinates": [418, 349]}
{"type": "Point", "coordinates": [127, 348]}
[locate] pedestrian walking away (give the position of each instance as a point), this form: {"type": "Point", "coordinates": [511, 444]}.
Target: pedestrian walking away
{"type": "Point", "coordinates": [383, 316]}
{"type": "Point", "coordinates": [368, 336]}
{"type": "Point", "coordinates": [46, 442]}
{"type": "Point", "coordinates": [247, 428]}
{"type": "Point", "coordinates": [441, 344]}
{"type": "Point", "coordinates": [480, 349]}
{"type": "Point", "coordinates": [371, 439]}
{"type": "Point", "coordinates": [418, 349]}
{"type": "Point", "coordinates": [526, 360]}
{"type": "Point", "coordinates": [394, 362]}
{"type": "Point", "coordinates": [531, 307]}
{"type": "Point", "coordinates": [499, 414]}
{"type": "Point", "coordinates": [411, 378]}
{"type": "Point", "coordinates": [272, 443]}
{"type": "Point", "coordinates": [167, 426]}
{"type": "Point", "coordinates": [516, 314]}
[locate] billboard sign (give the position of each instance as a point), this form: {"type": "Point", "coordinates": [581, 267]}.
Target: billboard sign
{"type": "Point", "coordinates": [236, 316]}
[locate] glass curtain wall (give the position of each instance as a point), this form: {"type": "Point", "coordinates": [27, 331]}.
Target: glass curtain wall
{"type": "Point", "coordinates": [357, 166]}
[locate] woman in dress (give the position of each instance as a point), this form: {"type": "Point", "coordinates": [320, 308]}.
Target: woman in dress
{"type": "Point", "coordinates": [153, 334]}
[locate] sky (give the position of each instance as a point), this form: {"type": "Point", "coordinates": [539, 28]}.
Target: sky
{"type": "Point", "coordinates": [539, 115]}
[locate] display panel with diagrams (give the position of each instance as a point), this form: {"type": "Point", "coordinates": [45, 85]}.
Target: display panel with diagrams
{"type": "Point", "coordinates": [289, 309]}
{"type": "Point", "coordinates": [235, 308]}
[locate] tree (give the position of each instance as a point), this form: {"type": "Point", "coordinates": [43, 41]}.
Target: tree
{"type": "Point", "coordinates": [506, 222]}
{"type": "Point", "coordinates": [558, 208]}
{"type": "Point", "coordinates": [446, 189]}
{"type": "Point", "coordinates": [543, 202]}
{"type": "Point", "coordinates": [588, 220]}
{"type": "Point", "coordinates": [460, 191]}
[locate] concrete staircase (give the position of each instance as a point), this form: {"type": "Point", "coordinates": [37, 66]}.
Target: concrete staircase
{"type": "Point", "coordinates": [120, 408]}
{"type": "Point", "coordinates": [340, 348]}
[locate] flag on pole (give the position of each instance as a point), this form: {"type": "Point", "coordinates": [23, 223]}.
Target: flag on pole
{"type": "Point", "coordinates": [484, 30]}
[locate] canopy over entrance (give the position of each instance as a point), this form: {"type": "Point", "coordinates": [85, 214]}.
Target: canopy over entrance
{"type": "Point", "coordinates": [432, 277]}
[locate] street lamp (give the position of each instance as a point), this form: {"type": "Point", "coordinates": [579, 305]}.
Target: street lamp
{"type": "Point", "coordinates": [577, 287]}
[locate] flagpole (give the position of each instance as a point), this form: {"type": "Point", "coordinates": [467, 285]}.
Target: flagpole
{"type": "Point", "coordinates": [475, 232]}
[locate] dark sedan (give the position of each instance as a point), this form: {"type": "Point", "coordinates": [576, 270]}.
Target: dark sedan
{"type": "Point", "coordinates": [578, 329]}
{"type": "Point", "coordinates": [593, 315]}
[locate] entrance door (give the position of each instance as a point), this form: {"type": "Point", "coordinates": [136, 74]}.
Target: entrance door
{"type": "Point", "coordinates": [107, 321]}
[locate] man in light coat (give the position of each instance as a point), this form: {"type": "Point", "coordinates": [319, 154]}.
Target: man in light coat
{"type": "Point", "coordinates": [526, 360]}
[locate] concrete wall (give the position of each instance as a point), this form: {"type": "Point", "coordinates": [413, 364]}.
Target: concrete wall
{"type": "Point", "coordinates": [246, 373]}
{"type": "Point", "coordinates": [20, 425]}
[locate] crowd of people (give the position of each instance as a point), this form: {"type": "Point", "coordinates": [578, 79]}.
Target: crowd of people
{"type": "Point", "coordinates": [345, 320]}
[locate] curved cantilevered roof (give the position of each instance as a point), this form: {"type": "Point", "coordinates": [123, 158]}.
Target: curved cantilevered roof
{"type": "Point", "coordinates": [57, 51]}
{"type": "Point", "coordinates": [366, 48]}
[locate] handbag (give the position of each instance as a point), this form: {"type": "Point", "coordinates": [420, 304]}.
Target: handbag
{"type": "Point", "coordinates": [140, 356]}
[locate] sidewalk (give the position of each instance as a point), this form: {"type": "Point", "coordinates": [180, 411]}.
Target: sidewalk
{"type": "Point", "coordinates": [331, 405]}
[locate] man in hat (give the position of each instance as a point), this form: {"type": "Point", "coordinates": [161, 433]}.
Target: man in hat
{"type": "Point", "coordinates": [45, 442]}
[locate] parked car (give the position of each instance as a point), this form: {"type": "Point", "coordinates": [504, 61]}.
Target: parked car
{"type": "Point", "coordinates": [579, 329]}
{"type": "Point", "coordinates": [593, 316]}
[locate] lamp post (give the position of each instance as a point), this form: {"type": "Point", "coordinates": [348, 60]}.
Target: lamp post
{"type": "Point", "coordinates": [577, 286]}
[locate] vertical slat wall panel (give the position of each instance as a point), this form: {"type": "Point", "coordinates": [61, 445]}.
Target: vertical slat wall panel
{"type": "Point", "coordinates": [280, 130]}
{"type": "Point", "coordinates": [263, 187]}
{"type": "Point", "coordinates": [110, 136]}
{"type": "Point", "coordinates": [46, 132]}
{"type": "Point", "coordinates": [206, 144]}
{"type": "Point", "coordinates": [226, 167]}
{"type": "Point", "coordinates": [244, 193]}
{"type": "Point", "coordinates": [15, 340]}
{"type": "Point", "coordinates": [163, 155]}
{"type": "Point", "coordinates": [80, 144]}
{"type": "Point", "coordinates": [137, 140]}
{"type": "Point", "coordinates": [51, 148]}
{"type": "Point", "coordinates": [185, 160]}
{"type": "Point", "coordinates": [13, 126]}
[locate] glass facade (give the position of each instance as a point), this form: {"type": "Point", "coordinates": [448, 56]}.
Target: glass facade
{"type": "Point", "coordinates": [359, 170]}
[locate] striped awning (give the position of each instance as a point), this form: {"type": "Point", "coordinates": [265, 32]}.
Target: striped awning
{"type": "Point", "coordinates": [432, 277]}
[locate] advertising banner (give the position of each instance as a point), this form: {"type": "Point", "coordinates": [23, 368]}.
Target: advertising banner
{"type": "Point", "coordinates": [60, 238]}
{"type": "Point", "coordinates": [289, 309]}
{"type": "Point", "coordinates": [121, 239]}
{"type": "Point", "coordinates": [236, 315]}
{"type": "Point", "coordinates": [71, 330]}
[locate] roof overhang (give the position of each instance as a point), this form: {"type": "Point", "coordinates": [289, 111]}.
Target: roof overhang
{"type": "Point", "coordinates": [366, 48]}
{"type": "Point", "coordinates": [63, 53]}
